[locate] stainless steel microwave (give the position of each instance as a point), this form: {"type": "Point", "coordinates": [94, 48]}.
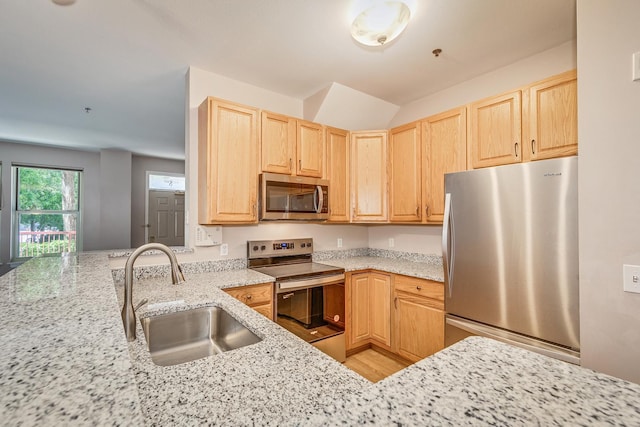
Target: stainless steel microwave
{"type": "Point", "coordinates": [285, 197]}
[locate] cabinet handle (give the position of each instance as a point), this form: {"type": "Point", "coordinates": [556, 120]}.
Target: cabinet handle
{"type": "Point", "coordinates": [300, 164]}
{"type": "Point", "coordinates": [419, 288]}
{"type": "Point", "coordinates": [395, 302]}
{"type": "Point", "coordinates": [248, 297]}
{"type": "Point", "coordinates": [516, 147]}
{"type": "Point", "coordinates": [533, 146]}
{"type": "Point", "coordinates": [253, 208]}
{"type": "Point", "coordinates": [290, 163]}
{"type": "Point", "coordinates": [417, 210]}
{"type": "Point", "coordinates": [426, 211]}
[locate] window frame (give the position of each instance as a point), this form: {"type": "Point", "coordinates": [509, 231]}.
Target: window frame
{"type": "Point", "coordinates": [15, 212]}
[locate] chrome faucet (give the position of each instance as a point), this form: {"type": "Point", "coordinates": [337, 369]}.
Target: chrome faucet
{"type": "Point", "coordinates": [128, 312]}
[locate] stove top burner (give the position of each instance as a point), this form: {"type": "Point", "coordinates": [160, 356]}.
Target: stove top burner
{"type": "Point", "coordinates": [287, 259]}
{"type": "Point", "coordinates": [304, 269]}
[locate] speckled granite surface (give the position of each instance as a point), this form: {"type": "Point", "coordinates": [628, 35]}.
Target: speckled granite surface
{"type": "Point", "coordinates": [277, 381]}
{"type": "Point", "coordinates": [64, 361]}
{"type": "Point", "coordinates": [425, 270]}
{"type": "Point", "coordinates": [481, 382]}
{"type": "Point", "coordinates": [63, 355]}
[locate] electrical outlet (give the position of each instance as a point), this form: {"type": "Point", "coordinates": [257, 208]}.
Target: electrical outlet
{"type": "Point", "coordinates": [339, 242]}
{"type": "Point", "coordinates": [392, 242]}
{"type": "Point", "coordinates": [631, 278]}
{"type": "Point", "coordinates": [224, 249]}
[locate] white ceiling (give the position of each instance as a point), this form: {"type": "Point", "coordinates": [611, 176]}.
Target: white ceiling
{"type": "Point", "coordinates": [127, 59]}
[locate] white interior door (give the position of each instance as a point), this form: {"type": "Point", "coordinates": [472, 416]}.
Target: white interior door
{"type": "Point", "coordinates": [166, 217]}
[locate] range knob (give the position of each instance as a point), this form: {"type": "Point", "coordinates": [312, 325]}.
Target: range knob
{"type": "Point", "coordinates": [302, 245]}
{"type": "Point", "coordinates": [255, 248]}
{"type": "Point", "coordinates": [263, 247]}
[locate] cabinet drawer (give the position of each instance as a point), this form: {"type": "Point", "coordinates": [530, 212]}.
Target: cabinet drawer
{"type": "Point", "coordinates": [422, 287]}
{"type": "Point", "coordinates": [252, 295]}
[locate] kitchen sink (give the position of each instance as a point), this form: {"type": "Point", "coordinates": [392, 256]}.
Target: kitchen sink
{"type": "Point", "coordinates": [188, 335]}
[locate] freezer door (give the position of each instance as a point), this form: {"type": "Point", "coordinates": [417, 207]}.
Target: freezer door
{"type": "Point", "coordinates": [510, 245]}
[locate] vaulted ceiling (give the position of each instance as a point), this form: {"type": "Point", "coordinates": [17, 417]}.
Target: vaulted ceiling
{"type": "Point", "coordinates": [127, 59]}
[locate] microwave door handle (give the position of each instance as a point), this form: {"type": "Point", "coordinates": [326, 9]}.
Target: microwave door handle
{"type": "Point", "coordinates": [318, 199]}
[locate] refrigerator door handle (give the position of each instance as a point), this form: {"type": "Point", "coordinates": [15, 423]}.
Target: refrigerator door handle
{"type": "Point", "coordinates": [448, 246]}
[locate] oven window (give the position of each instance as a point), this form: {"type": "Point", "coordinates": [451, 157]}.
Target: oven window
{"type": "Point", "coordinates": [312, 313]}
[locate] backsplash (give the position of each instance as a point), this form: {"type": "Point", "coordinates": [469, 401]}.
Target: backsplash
{"type": "Point", "coordinates": [152, 271]}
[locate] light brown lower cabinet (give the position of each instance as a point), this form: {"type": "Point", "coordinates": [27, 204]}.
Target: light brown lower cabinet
{"type": "Point", "coordinates": [368, 298]}
{"type": "Point", "coordinates": [398, 313]}
{"type": "Point", "coordinates": [418, 317]}
{"type": "Point", "coordinates": [259, 297]}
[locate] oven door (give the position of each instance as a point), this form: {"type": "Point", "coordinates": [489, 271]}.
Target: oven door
{"type": "Point", "coordinates": [291, 197]}
{"type": "Point", "coordinates": [314, 310]}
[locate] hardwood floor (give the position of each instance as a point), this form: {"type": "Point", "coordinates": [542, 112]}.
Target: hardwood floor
{"type": "Point", "coordinates": [374, 365]}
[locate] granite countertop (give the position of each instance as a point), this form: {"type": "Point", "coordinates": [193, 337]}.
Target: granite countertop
{"type": "Point", "coordinates": [423, 270]}
{"type": "Point", "coordinates": [480, 381]}
{"type": "Point", "coordinates": [274, 382]}
{"type": "Point", "coordinates": [65, 361]}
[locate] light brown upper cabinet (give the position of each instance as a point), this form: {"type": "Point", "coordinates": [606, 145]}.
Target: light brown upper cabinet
{"type": "Point", "coordinates": [444, 139]}
{"type": "Point", "coordinates": [369, 176]}
{"type": "Point", "coordinates": [496, 130]}
{"type": "Point", "coordinates": [291, 146]}
{"type": "Point", "coordinates": [338, 173]}
{"type": "Point", "coordinates": [405, 169]}
{"type": "Point", "coordinates": [550, 110]}
{"type": "Point", "coordinates": [227, 162]}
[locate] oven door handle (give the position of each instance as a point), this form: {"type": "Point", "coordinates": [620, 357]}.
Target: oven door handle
{"type": "Point", "coordinates": [310, 282]}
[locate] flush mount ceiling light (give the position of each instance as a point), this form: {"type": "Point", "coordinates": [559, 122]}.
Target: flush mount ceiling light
{"type": "Point", "coordinates": [380, 22]}
{"type": "Point", "coordinates": [64, 2]}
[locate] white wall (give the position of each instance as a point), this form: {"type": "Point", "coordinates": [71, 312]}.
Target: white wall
{"type": "Point", "coordinates": [537, 67]}
{"type": "Point", "coordinates": [609, 198]}
{"type": "Point", "coordinates": [201, 84]}
{"type": "Point", "coordinates": [139, 167]}
{"type": "Point", "coordinates": [427, 239]}
{"type": "Point", "coordinates": [424, 239]}
{"type": "Point", "coordinates": [418, 238]}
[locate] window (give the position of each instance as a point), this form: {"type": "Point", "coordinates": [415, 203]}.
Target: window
{"type": "Point", "coordinates": [47, 211]}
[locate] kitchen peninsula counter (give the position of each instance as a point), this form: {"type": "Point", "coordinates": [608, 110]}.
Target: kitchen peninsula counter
{"type": "Point", "coordinates": [65, 360]}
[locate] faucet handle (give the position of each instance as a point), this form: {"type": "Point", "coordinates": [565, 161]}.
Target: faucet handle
{"type": "Point", "coordinates": [177, 276]}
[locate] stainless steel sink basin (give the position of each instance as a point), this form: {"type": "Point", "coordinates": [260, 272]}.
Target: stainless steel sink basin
{"type": "Point", "coordinates": [188, 335]}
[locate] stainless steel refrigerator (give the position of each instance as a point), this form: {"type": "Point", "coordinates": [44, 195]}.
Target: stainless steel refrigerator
{"type": "Point", "coordinates": [510, 253]}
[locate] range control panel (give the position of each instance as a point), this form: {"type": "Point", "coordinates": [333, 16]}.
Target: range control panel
{"type": "Point", "coordinates": [275, 248]}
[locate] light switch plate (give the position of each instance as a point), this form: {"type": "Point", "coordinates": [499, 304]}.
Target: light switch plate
{"type": "Point", "coordinates": [339, 242]}
{"type": "Point", "coordinates": [224, 249]}
{"type": "Point", "coordinates": [631, 278]}
{"type": "Point", "coordinates": [636, 66]}
{"type": "Point", "coordinates": [392, 242]}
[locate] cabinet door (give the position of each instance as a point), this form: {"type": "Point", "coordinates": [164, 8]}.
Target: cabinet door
{"type": "Point", "coordinates": [338, 174]}
{"type": "Point", "coordinates": [227, 163]}
{"type": "Point", "coordinates": [405, 160]}
{"type": "Point", "coordinates": [496, 131]}
{"type": "Point", "coordinates": [359, 308]}
{"type": "Point", "coordinates": [258, 297]}
{"type": "Point", "coordinates": [419, 328]}
{"type": "Point", "coordinates": [369, 176]}
{"type": "Point", "coordinates": [445, 151]}
{"type": "Point", "coordinates": [278, 135]}
{"type": "Point", "coordinates": [310, 149]}
{"type": "Point", "coordinates": [552, 117]}
{"type": "Point", "coordinates": [380, 308]}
